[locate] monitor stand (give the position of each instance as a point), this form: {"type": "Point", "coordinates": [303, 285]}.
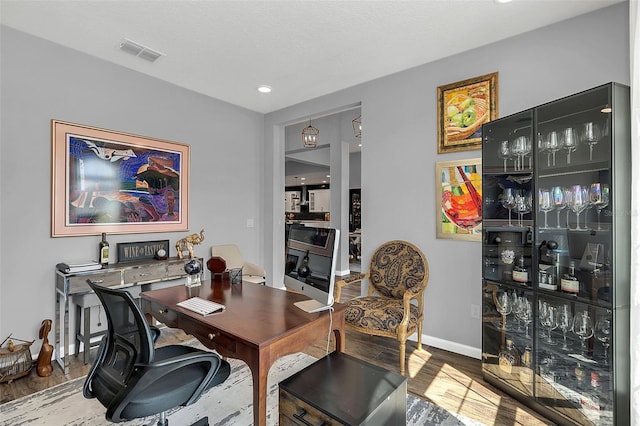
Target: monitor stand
{"type": "Point", "coordinates": [311, 306]}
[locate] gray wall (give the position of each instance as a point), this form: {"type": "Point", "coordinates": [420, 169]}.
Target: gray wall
{"type": "Point", "coordinates": [399, 148]}
{"type": "Point", "coordinates": [43, 81]}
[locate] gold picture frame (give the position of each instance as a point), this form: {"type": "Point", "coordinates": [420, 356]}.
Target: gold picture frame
{"type": "Point", "coordinates": [459, 199]}
{"type": "Point", "coordinates": [463, 107]}
{"type": "Point", "coordinates": [117, 183]}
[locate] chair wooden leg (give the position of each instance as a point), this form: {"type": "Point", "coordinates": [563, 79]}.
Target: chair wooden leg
{"type": "Point", "coordinates": [403, 345]}
{"type": "Point", "coordinates": [420, 335]}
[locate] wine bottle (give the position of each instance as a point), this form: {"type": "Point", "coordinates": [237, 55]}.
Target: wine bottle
{"type": "Point", "coordinates": [520, 272]}
{"type": "Point", "coordinates": [304, 270]}
{"type": "Point", "coordinates": [569, 282]}
{"type": "Point", "coordinates": [509, 357]}
{"type": "Point", "coordinates": [104, 250]}
{"type": "Point", "coordinates": [547, 278]}
{"type": "Point", "coordinates": [526, 373]}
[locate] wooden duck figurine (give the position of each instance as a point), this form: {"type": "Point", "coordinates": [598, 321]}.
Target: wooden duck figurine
{"type": "Point", "coordinates": [43, 365]}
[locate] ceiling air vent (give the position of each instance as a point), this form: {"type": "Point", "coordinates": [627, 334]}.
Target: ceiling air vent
{"type": "Point", "coordinates": [140, 50]}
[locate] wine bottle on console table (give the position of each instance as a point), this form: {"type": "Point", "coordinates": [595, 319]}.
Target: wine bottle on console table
{"type": "Point", "coordinates": [304, 270]}
{"type": "Point", "coordinates": [104, 250]}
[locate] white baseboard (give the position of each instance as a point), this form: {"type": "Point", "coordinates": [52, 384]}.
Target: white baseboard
{"type": "Point", "coordinates": [343, 273]}
{"type": "Point", "coordinates": [447, 345]}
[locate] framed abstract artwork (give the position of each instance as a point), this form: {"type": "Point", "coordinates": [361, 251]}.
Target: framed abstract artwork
{"type": "Point", "coordinates": [118, 183]}
{"type": "Point", "coordinates": [459, 199]}
{"type": "Point", "coordinates": [463, 107]}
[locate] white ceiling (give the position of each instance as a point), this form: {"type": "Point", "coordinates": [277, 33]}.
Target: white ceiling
{"type": "Point", "coordinates": [302, 49]}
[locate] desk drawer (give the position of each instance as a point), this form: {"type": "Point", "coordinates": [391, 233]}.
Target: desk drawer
{"type": "Point", "coordinates": [175, 269]}
{"type": "Point", "coordinates": [212, 339]}
{"type": "Point", "coordinates": [294, 412]}
{"type": "Point", "coordinates": [78, 283]}
{"type": "Point", "coordinates": [160, 313]}
{"type": "Point", "coordinates": [145, 273]}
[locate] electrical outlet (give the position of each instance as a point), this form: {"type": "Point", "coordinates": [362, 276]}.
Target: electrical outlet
{"type": "Point", "coordinates": [475, 311]}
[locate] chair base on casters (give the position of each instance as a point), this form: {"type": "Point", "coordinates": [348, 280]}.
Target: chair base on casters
{"type": "Point", "coordinates": [163, 421]}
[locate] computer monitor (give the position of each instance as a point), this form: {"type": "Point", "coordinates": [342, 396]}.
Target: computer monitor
{"type": "Point", "coordinates": [310, 265]}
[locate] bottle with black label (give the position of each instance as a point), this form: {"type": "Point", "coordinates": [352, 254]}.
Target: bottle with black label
{"type": "Point", "coordinates": [569, 282]}
{"type": "Point", "coordinates": [104, 250]}
{"type": "Point", "coordinates": [547, 278]}
{"type": "Point", "coordinates": [520, 271]}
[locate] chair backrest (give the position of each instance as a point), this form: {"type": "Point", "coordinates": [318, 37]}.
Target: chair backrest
{"type": "Point", "coordinates": [397, 266]}
{"type": "Point", "coordinates": [230, 253]}
{"type": "Point", "coordinates": [128, 342]}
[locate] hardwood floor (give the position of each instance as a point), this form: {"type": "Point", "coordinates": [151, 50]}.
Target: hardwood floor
{"type": "Point", "coordinates": [447, 379]}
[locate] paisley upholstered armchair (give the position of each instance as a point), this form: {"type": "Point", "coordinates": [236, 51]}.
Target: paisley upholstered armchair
{"type": "Point", "coordinates": [398, 274]}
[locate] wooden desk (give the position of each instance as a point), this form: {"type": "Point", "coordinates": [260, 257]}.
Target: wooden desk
{"type": "Point", "coordinates": [259, 325]}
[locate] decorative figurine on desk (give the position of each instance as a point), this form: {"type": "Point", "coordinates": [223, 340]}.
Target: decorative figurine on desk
{"type": "Point", "coordinates": [188, 242]}
{"type": "Point", "coordinates": [43, 366]}
{"type": "Point", "coordinates": [193, 268]}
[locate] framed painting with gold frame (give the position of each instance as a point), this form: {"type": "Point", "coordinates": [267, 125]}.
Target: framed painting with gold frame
{"type": "Point", "coordinates": [459, 199]}
{"type": "Point", "coordinates": [118, 183]}
{"type": "Point", "coordinates": [463, 107]}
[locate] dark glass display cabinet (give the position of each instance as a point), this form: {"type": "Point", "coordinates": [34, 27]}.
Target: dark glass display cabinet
{"type": "Point", "coordinates": [556, 256]}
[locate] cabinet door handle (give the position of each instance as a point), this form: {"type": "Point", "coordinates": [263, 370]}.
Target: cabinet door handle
{"type": "Point", "coordinates": [300, 417]}
{"type": "Point", "coordinates": [163, 311]}
{"type": "Point", "coordinates": [98, 281]}
{"type": "Point", "coordinates": [212, 336]}
{"type": "Point", "coordinates": [144, 274]}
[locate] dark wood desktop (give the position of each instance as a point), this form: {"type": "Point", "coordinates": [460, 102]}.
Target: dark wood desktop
{"type": "Point", "coordinates": [259, 325]}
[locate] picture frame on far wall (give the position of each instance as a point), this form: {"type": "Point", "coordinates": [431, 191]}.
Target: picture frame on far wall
{"type": "Point", "coordinates": [117, 183]}
{"type": "Point", "coordinates": [463, 107]}
{"type": "Point", "coordinates": [459, 199]}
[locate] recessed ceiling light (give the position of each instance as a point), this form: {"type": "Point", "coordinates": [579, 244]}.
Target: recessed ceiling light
{"type": "Point", "coordinates": [503, 1]}
{"type": "Point", "coordinates": [264, 89]}
{"type": "Point", "coordinates": [303, 178]}
{"type": "Point", "coordinates": [328, 176]}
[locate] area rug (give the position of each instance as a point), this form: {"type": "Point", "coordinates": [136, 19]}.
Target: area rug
{"type": "Point", "coordinates": [228, 404]}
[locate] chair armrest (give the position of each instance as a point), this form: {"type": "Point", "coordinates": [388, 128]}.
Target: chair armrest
{"type": "Point", "coordinates": [155, 332]}
{"type": "Point", "coordinates": [253, 269]}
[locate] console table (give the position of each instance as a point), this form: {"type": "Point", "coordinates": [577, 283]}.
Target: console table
{"type": "Point", "coordinates": [73, 286]}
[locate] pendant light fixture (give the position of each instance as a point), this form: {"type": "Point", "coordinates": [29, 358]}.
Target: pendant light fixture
{"type": "Point", "coordinates": [310, 136]}
{"type": "Point", "coordinates": [357, 126]}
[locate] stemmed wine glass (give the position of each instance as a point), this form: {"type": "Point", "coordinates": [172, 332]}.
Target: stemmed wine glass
{"type": "Point", "coordinates": [565, 322]}
{"type": "Point", "coordinates": [504, 152]}
{"type": "Point", "coordinates": [519, 149]}
{"type": "Point", "coordinates": [583, 328]}
{"type": "Point", "coordinates": [553, 145]}
{"type": "Point", "coordinates": [579, 202]}
{"type": "Point", "coordinates": [545, 204]}
{"type": "Point", "coordinates": [516, 308]}
{"type": "Point", "coordinates": [590, 135]}
{"type": "Point", "coordinates": [525, 313]}
{"type": "Point", "coordinates": [504, 306]}
{"type": "Point", "coordinates": [568, 199]}
{"type": "Point", "coordinates": [599, 197]}
{"type": "Point", "coordinates": [527, 151]}
{"type": "Point", "coordinates": [603, 334]}
{"type": "Point", "coordinates": [523, 204]}
{"type": "Point", "coordinates": [569, 141]}
{"type": "Point", "coordinates": [557, 194]}
{"type": "Point", "coordinates": [509, 201]}
{"type": "Point", "coordinates": [549, 319]}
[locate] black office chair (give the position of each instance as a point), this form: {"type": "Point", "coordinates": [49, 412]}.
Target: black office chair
{"type": "Point", "coordinates": [132, 379]}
